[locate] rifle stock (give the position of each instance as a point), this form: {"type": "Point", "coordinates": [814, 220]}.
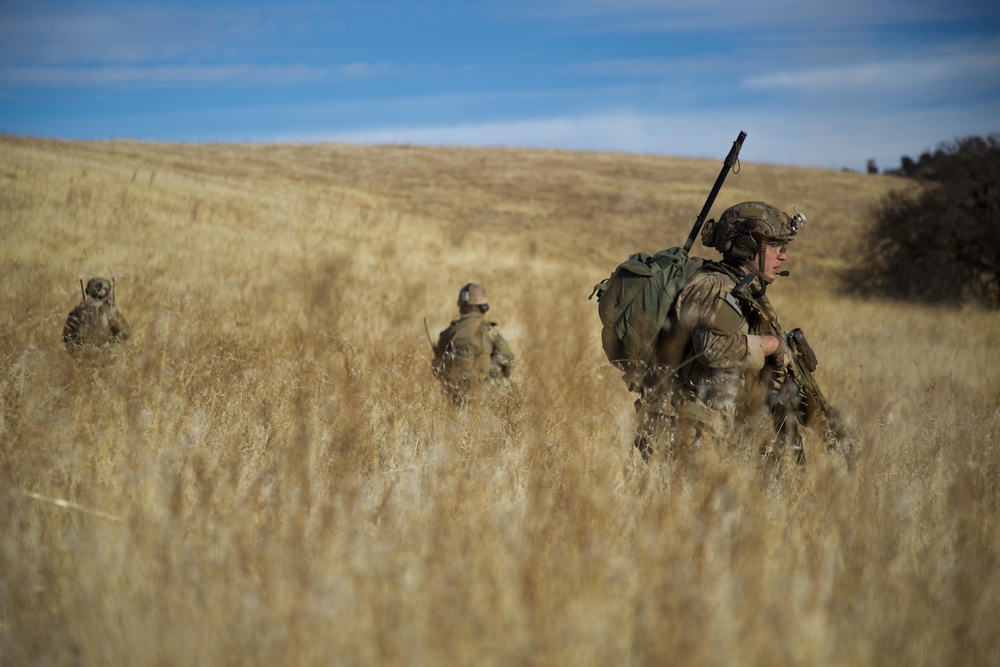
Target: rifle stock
{"type": "Point", "coordinates": [734, 155]}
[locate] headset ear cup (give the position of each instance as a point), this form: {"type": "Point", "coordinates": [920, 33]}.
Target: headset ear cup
{"type": "Point", "coordinates": [743, 248]}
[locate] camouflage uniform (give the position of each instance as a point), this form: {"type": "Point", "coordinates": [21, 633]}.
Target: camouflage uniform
{"type": "Point", "coordinates": [95, 324]}
{"type": "Point", "coordinates": [471, 353]}
{"type": "Point", "coordinates": [724, 376]}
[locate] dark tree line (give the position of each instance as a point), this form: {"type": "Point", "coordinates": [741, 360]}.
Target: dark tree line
{"type": "Point", "coordinates": [941, 243]}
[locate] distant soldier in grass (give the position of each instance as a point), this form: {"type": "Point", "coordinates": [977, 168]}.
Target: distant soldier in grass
{"type": "Point", "coordinates": [471, 354]}
{"type": "Point", "coordinates": [95, 324]}
{"type": "Point", "coordinates": [735, 357]}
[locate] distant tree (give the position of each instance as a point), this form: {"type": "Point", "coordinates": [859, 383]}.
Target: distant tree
{"type": "Point", "coordinates": [907, 166]}
{"type": "Point", "coordinates": [872, 167]}
{"type": "Point", "coordinates": [940, 244]}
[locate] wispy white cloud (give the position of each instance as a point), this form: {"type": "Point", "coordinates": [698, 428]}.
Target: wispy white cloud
{"type": "Point", "coordinates": [104, 34]}
{"type": "Point", "coordinates": [623, 129]}
{"type": "Point", "coordinates": [139, 76]}
{"type": "Point", "coordinates": [973, 66]}
{"type": "Point", "coordinates": [132, 76]}
{"type": "Point", "coordinates": [817, 140]}
{"type": "Point", "coordinates": [368, 70]}
{"type": "Point", "coordinates": [149, 45]}
{"type": "Point", "coordinates": [637, 67]}
{"type": "Point", "coordinates": [46, 32]}
{"type": "Point", "coordinates": [697, 135]}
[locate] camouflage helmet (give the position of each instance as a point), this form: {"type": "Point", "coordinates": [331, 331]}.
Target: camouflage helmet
{"type": "Point", "coordinates": [757, 220]}
{"type": "Point", "coordinates": [98, 288]}
{"type": "Point", "coordinates": [472, 295]}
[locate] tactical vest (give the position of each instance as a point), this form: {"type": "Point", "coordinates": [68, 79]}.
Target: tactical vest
{"type": "Point", "coordinates": [88, 325]}
{"type": "Point", "coordinates": [462, 357]}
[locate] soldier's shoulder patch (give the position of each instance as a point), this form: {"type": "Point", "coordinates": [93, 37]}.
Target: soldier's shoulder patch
{"type": "Point", "coordinates": [728, 318]}
{"type": "Point", "coordinates": [734, 302]}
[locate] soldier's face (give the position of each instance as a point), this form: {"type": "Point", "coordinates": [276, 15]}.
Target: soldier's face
{"type": "Point", "coordinates": [774, 255]}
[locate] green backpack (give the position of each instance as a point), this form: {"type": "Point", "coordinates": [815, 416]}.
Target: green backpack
{"type": "Point", "coordinates": [635, 304]}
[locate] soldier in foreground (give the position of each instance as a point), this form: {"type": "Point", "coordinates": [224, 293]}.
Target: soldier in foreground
{"type": "Point", "coordinates": [95, 324]}
{"type": "Point", "coordinates": [736, 357]}
{"type": "Point", "coordinates": [471, 355]}
{"type": "Point", "coordinates": [700, 343]}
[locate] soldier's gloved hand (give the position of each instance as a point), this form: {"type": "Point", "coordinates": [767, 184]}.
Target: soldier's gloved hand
{"type": "Point", "coordinates": [781, 358]}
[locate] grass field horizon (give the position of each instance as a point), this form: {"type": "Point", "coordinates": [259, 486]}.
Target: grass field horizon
{"type": "Point", "coordinates": [267, 473]}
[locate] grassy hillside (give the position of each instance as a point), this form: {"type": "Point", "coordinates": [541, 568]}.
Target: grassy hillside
{"type": "Point", "coordinates": [267, 473]}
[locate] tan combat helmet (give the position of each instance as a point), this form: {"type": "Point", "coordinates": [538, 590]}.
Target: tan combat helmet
{"type": "Point", "coordinates": [99, 288]}
{"type": "Point", "coordinates": [472, 295]}
{"type": "Point", "coordinates": [744, 229]}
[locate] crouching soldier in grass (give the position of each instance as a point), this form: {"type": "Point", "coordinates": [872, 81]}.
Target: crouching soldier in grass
{"type": "Point", "coordinates": [95, 324]}
{"type": "Point", "coordinates": [471, 357]}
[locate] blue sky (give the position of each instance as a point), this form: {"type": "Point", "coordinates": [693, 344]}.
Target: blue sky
{"type": "Point", "coordinates": [813, 83]}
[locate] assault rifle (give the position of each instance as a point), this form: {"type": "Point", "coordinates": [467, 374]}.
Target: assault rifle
{"type": "Point", "coordinates": [800, 393]}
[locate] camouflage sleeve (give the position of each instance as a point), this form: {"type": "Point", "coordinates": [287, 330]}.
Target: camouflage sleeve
{"type": "Point", "coordinates": [71, 330]}
{"type": "Point", "coordinates": [119, 325]}
{"type": "Point", "coordinates": [719, 332]}
{"type": "Point", "coordinates": [502, 356]}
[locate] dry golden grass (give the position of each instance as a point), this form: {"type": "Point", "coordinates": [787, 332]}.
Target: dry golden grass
{"type": "Point", "coordinates": [267, 474]}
